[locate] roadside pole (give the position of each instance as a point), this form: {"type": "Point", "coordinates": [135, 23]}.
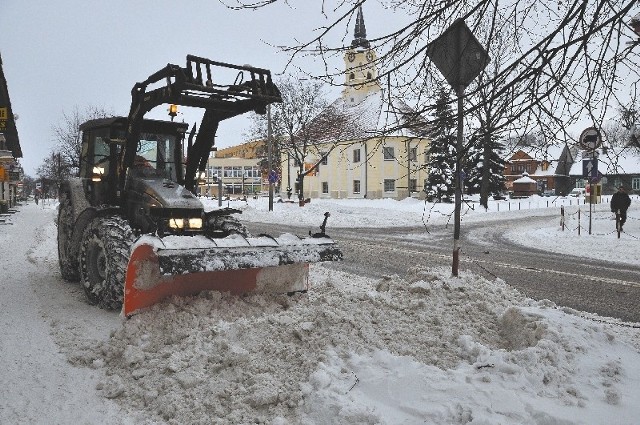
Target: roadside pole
{"type": "Point", "coordinates": [460, 58]}
{"type": "Point", "coordinates": [270, 154]}
{"type": "Point", "coordinates": [591, 197]}
{"type": "Point", "coordinates": [458, 197]}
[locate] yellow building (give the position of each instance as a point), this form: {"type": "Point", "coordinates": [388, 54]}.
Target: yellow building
{"type": "Point", "coordinates": [238, 168]}
{"type": "Point", "coordinates": [379, 154]}
{"type": "Point", "coordinates": [252, 149]}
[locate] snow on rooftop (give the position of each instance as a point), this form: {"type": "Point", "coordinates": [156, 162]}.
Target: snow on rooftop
{"type": "Point", "coordinates": [371, 117]}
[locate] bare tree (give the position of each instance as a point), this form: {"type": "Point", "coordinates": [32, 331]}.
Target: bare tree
{"type": "Point", "coordinates": [303, 125]}
{"type": "Point", "coordinates": [571, 59]}
{"type": "Point", "coordinates": [67, 135]}
{"type": "Point", "coordinates": [52, 172]}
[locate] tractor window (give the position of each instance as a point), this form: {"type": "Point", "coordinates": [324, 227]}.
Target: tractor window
{"type": "Point", "coordinates": [155, 156]}
{"type": "Point", "coordinates": [95, 153]}
{"type": "Point", "coordinates": [101, 152]}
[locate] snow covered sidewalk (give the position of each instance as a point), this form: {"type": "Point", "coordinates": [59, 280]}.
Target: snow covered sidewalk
{"type": "Point", "coordinates": [37, 383]}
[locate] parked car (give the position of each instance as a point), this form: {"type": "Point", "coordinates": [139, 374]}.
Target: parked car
{"type": "Point", "coordinates": [502, 196]}
{"type": "Point", "coordinates": [577, 192]}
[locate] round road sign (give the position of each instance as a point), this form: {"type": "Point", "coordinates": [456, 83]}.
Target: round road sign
{"type": "Point", "coordinates": [590, 139]}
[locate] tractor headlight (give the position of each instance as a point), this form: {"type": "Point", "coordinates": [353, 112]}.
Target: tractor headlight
{"type": "Point", "coordinates": [176, 223]}
{"type": "Point", "coordinates": [195, 223]}
{"type": "Point", "coordinates": [98, 172]}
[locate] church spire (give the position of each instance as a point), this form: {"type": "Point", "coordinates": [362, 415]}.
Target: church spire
{"type": "Point", "coordinates": [360, 33]}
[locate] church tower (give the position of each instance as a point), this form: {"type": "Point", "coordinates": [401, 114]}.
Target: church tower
{"type": "Point", "coordinates": [360, 65]}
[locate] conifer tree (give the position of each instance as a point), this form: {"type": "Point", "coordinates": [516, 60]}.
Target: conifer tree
{"type": "Point", "coordinates": [442, 158]}
{"type": "Point", "coordinates": [484, 144]}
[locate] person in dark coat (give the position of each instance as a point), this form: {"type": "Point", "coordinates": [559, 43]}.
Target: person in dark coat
{"type": "Point", "coordinates": [620, 202]}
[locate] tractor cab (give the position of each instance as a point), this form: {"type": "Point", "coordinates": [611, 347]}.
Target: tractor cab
{"type": "Point", "coordinates": [158, 155]}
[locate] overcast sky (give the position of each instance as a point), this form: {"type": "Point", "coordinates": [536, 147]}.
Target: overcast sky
{"type": "Point", "coordinates": [59, 55]}
{"type": "Point", "coordinates": [67, 54]}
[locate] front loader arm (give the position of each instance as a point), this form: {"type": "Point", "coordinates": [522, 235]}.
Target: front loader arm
{"type": "Point", "coordinates": [195, 86]}
{"type": "Point", "coordinates": [198, 153]}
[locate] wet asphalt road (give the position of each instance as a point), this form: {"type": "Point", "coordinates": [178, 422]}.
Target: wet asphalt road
{"type": "Point", "coordinates": [596, 286]}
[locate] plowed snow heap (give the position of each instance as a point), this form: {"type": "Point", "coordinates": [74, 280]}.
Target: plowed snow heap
{"type": "Point", "coordinates": [130, 226]}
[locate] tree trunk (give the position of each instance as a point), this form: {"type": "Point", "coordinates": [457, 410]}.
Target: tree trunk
{"type": "Point", "coordinates": [486, 171]}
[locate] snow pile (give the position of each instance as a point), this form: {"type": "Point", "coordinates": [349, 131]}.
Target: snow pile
{"type": "Point", "coordinates": [428, 349]}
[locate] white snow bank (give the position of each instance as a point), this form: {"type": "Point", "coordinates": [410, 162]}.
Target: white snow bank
{"type": "Point", "coordinates": [430, 349]}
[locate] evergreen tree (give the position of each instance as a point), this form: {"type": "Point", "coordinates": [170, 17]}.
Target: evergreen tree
{"type": "Point", "coordinates": [442, 157]}
{"type": "Point", "coordinates": [485, 144]}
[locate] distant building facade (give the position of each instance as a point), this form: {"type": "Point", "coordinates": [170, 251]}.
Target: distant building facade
{"type": "Point", "coordinates": [617, 166]}
{"type": "Point", "coordinates": [11, 173]}
{"type": "Point", "coordinates": [548, 167]}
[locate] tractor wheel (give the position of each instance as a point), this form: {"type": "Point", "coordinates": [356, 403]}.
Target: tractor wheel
{"type": "Point", "coordinates": [104, 256]}
{"type": "Point", "coordinates": [69, 268]}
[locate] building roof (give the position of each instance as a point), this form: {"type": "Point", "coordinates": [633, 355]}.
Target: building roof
{"type": "Point", "coordinates": [360, 32]}
{"type": "Point", "coordinates": [8, 124]}
{"type": "Point", "coordinates": [373, 117]}
{"type": "Point", "coordinates": [552, 154]}
{"type": "Point", "coordinates": [525, 179]}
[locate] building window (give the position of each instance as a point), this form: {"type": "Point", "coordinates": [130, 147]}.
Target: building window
{"type": "Point", "coordinates": [325, 187]}
{"type": "Point", "coordinates": [325, 158]}
{"type": "Point", "coordinates": [635, 183]}
{"type": "Point", "coordinates": [388, 153]}
{"type": "Point", "coordinates": [413, 185]}
{"type": "Point", "coordinates": [580, 183]}
{"type": "Point", "coordinates": [413, 154]}
{"type": "Point", "coordinates": [356, 155]}
{"type": "Point", "coordinates": [356, 186]}
{"type": "Point", "coordinates": [389, 185]}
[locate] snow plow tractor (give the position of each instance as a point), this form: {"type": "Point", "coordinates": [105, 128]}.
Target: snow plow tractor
{"type": "Point", "coordinates": [130, 227]}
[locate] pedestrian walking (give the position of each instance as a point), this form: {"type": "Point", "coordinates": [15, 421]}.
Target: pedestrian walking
{"type": "Point", "coordinates": [620, 202]}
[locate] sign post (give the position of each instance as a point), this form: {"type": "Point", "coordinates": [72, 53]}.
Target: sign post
{"type": "Point", "coordinates": [460, 57]}
{"type": "Point", "coordinates": [590, 140]}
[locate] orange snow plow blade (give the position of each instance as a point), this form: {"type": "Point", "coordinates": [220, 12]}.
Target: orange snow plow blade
{"type": "Point", "coordinates": [262, 265]}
